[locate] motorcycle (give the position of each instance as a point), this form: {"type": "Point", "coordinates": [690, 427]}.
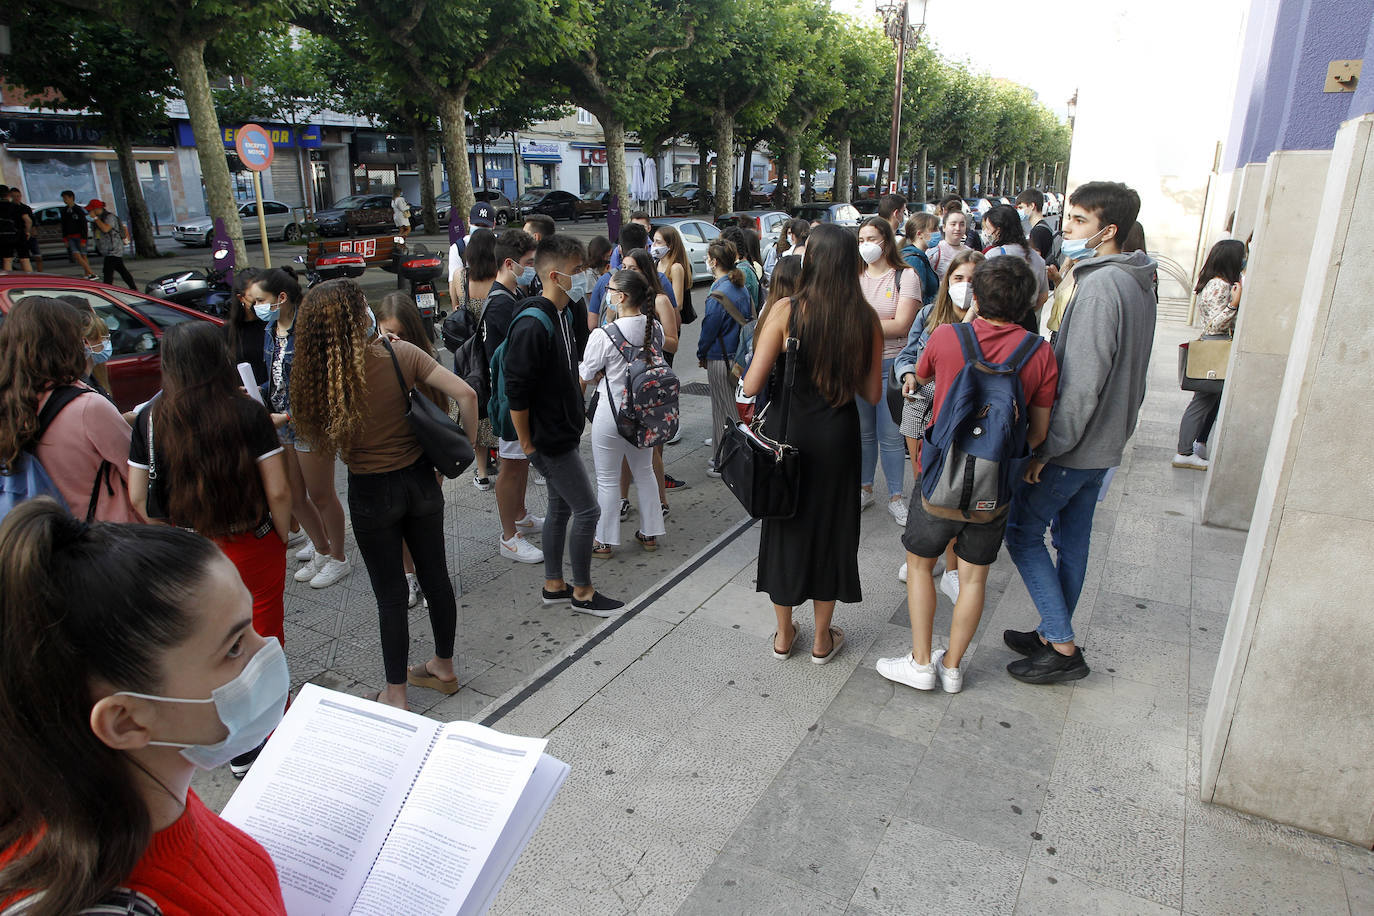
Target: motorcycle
{"type": "Point", "coordinates": [334, 265]}
{"type": "Point", "coordinates": [418, 266]}
{"type": "Point", "coordinates": [205, 291]}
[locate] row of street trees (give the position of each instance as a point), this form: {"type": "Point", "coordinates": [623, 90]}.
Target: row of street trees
{"type": "Point", "coordinates": [726, 75]}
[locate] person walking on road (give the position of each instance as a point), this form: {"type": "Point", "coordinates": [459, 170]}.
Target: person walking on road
{"type": "Point", "coordinates": [109, 241]}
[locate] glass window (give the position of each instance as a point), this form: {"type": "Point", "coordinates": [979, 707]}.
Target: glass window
{"type": "Point", "coordinates": [272, 206]}
{"type": "Point", "coordinates": [690, 232]}
{"type": "Point", "coordinates": [46, 179]}
{"type": "Point", "coordinates": [709, 231]}
{"type": "Point", "coordinates": [161, 315]}
{"type": "Point", "coordinates": [128, 335]}
{"type": "Point", "coordinates": [584, 116]}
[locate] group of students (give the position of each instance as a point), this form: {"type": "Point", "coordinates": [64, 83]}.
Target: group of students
{"type": "Point", "coordinates": [19, 241]}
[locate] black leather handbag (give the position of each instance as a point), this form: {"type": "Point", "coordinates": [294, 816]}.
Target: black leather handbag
{"type": "Point", "coordinates": [764, 474]}
{"type": "Point", "coordinates": [442, 440]}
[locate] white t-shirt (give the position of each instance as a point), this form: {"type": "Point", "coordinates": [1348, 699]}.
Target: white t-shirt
{"type": "Point", "coordinates": [399, 208]}
{"type": "Point", "coordinates": [455, 258]}
{"type": "Point", "coordinates": [601, 355]}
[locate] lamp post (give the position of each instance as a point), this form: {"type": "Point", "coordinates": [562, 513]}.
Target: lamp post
{"type": "Point", "coordinates": [1073, 114]}
{"type": "Point", "coordinates": [897, 24]}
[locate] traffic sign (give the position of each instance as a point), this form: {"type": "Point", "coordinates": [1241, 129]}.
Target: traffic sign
{"type": "Point", "coordinates": [254, 146]}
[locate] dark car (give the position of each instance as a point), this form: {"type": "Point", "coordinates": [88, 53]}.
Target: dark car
{"type": "Point", "coordinates": [499, 202]}
{"type": "Point", "coordinates": [557, 204]}
{"type": "Point", "coordinates": [690, 199]}
{"type": "Point", "coordinates": [866, 206]}
{"type": "Point", "coordinates": [363, 214]}
{"type": "Point", "coordinates": [593, 203]}
{"type": "Point", "coordinates": [839, 214]}
{"type": "Point", "coordinates": [136, 322]}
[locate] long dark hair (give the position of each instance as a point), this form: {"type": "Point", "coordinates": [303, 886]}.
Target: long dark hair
{"type": "Point", "coordinates": [81, 606]}
{"type": "Point", "coordinates": [480, 255]}
{"type": "Point", "coordinates": [645, 263]}
{"type": "Point", "coordinates": [209, 472]}
{"type": "Point", "coordinates": [1224, 261]}
{"type": "Point", "coordinates": [1007, 221]}
{"type": "Point", "coordinates": [784, 284]}
{"type": "Point", "coordinates": [833, 319]}
{"type": "Point", "coordinates": [240, 315]}
{"type": "Point", "coordinates": [636, 285]}
{"type": "Point", "coordinates": [42, 345]}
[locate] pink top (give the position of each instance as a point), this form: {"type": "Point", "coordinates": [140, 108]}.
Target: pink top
{"type": "Point", "coordinates": [882, 293]}
{"type": "Point", "coordinates": [88, 430]}
{"type": "Point", "coordinates": [941, 255]}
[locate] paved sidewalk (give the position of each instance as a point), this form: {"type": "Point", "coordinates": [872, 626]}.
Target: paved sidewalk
{"type": "Point", "coordinates": [708, 777]}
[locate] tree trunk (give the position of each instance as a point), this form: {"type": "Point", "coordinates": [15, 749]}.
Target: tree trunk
{"type": "Point", "coordinates": [963, 178]}
{"type": "Point", "coordinates": [188, 57]}
{"type": "Point", "coordinates": [614, 130]}
{"type": "Point", "coordinates": [140, 223]}
{"type": "Point", "coordinates": [791, 163]}
{"type": "Point", "coordinates": [879, 174]}
{"type": "Point", "coordinates": [424, 164]}
{"type": "Point", "coordinates": [452, 118]}
{"type": "Point", "coordinates": [919, 192]}
{"type": "Point", "coordinates": [724, 125]}
{"type": "Point", "coordinates": [743, 200]}
{"type": "Point", "coordinates": [843, 163]}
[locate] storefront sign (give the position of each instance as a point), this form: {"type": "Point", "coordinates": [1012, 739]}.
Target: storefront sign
{"type": "Point", "coordinates": [540, 152]}
{"type": "Point", "coordinates": [283, 137]}
{"type": "Point", "coordinates": [593, 157]}
{"type": "Point", "coordinates": [312, 137]}
{"type": "Point", "coordinates": [50, 132]}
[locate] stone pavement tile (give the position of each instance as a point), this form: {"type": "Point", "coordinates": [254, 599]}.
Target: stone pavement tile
{"type": "Point", "coordinates": [1227, 540]}
{"type": "Point", "coordinates": [1140, 502]}
{"type": "Point", "coordinates": [986, 681]}
{"type": "Point", "coordinates": [1046, 890]}
{"type": "Point", "coordinates": [1125, 653]}
{"type": "Point", "coordinates": [1117, 704]}
{"type": "Point", "coordinates": [976, 726]}
{"type": "Point", "coordinates": [1150, 540]}
{"type": "Point", "coordinates": [1145, 617]}
{"type": "Point", "coordinates": [732, 887]}
{"type": "Point", "coordinates": [1108, 842]}
{"type": "Point", "coordinates": [1213, 596]}
{"type": "Point", "coordinates": [592, 857]}
{"type": "Point", "coordinates": [869, 769]}
{"type": "Point", "coordinates": [737, 607]}
{"type": "Point", "coordinates": [1147, 582]}
{"type": "Point", "coordinates": [978, 800]}
{"type": "Point", "coordinates": [871, 700]}
{"type": "Point", "coordinates": [1121, 766]}
{"type": "Point", "coordinates": [462, 706]}
{"type": "Point", "coordinates": [1216, 564]}
{"type": "Point", "coordinates": [1357, 870]}
{"type": "Point", "coordinates": [916, 869]}
{"type": "Point", "coordinates": [604, 754]}
{"type": "Point", "coordinates": [1237, 863]}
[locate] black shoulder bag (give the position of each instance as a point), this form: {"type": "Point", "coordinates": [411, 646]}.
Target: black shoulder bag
{"type": "Point", "coordinates": [442, 440]}
{"type": "Point", "coordinates": [764, 474]}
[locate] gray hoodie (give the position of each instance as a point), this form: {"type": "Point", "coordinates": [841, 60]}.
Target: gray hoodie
{"type": "Point", "coordinates": [1103, 350]}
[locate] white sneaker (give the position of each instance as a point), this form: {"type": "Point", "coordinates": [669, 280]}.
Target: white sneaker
{"type": "Point", "coordinates": [677, 437]}
{"type": "Point", "coordinates": [1190, 462]}
{"type": "Point", "coordinates": [711, 469]}
{"type": "Point", "coordinates": [520, 550]}
{"type": "Point", "coordinates": [949, 584]}
{"type": "Point", "coordinates": [904, 670]}
{"type": "Point", "coordinates": [897, 509]}
{"type": "Point", "coordinates": [312, 567]}
{"type": "Point", "coordinates": [332, 571]}
{"type": "Point", "coordinates": [901, 573]}
{"type": "Point", "coordinates": [708, 442]}
{"type": "Point", "coordinates": [306, 553]}
{"type": "Point", "coordinates": [865, 498]}
{"type": "Point", "coordinates": [412, 589]}
{"type": "Point", "coordinates": [293, 538]}
{"type": "Point", "coordinates": [530, 524]}
{"type": "Point", "coordinates": [1200, 449]}
{"type": "Point", "coordinates": [951, 679]}
{"type": "Point", "coordinates": [537, 479]}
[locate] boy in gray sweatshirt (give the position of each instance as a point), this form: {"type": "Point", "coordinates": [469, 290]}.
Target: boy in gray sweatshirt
{"type": "Point", "coordinates": [1103, 351]}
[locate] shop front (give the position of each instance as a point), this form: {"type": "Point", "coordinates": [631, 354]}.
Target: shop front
{"type": "Point", "coordinates": [540, 161]}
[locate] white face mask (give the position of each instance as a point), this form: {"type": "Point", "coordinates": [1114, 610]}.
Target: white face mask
{"type": "Point", "coordinates": [250, 706]}
{"type": "Point", "coordinates": [870, 251]}
{"type": "Point", "coordinates": [962, 294]}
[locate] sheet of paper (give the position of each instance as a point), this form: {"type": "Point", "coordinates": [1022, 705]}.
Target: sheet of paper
{"type": "Point", "coordinates": [457, 811]}
{"type": "Point", "coordinates": [322, 796]}
{"type": "Point", "coordinates": [250, 383]}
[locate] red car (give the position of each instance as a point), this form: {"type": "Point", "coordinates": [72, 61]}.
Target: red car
{"type": "Point", "coordinates": [136, 324]}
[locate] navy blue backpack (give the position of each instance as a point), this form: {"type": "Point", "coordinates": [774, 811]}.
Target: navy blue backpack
{"type": "Point", "coordinates": [975, 452]}
{"type": "Point", "coordinates": [27, 478]}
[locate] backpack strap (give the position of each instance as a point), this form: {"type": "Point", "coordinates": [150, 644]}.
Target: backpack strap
{"type": "Point", "coordinates": [537, 312]}
{"type": "Point", "coordinates": [619, 342]}
{"type": "Point", "coordinates": [102, 475]}
{"type": "Point", "coordinates": [729, 307]}
{"type": "Point", "coordinates": [1023, 352]}
{"type": "Point", "coordinates": [968, 342]}
{"type": "Point", "coordinates": [61, 396]}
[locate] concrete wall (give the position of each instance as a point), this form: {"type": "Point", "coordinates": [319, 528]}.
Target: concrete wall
{"type": "Point", "coordinates": [1289, 725]}
{"type": "Point", "coordinates": [1289, 189]}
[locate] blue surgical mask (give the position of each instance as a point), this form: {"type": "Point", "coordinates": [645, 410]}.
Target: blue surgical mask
{"type": "Point", "coordinates": [578, 290]}
{"type": "Point", "coordinates": [371, 324]}
{"type": "Point", "coordinates": [250, 706]}
{"type": "Point", "coordinates": [266, 311]}
{"type": "Point", "coordinates": [103, 354]}
{"type": "Point", "coordinates": [934, 240]}
{"type": "Point", "coordinates": [1025, 220]}
{"type": "Point", "coordinates": [527, 276]}
{"type": "Point", "coordinates": [1078, 249]}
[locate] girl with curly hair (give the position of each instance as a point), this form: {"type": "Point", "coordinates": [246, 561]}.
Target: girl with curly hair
{"type": "Point", "coordinates": [345, 397]}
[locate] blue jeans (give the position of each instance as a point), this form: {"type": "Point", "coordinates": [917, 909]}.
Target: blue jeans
{"type": "Point", "coordinates": [1064, 501]}
{"type": "Point", "coordinates": [880, 435]}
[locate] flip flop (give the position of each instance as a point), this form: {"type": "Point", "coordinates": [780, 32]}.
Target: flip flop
{"type": "Point", "coordinates": [788, 653]}
{"type": "Point", "coordinates": [836, 643]}
{"type": "Point", "coordinates": [425, 679]}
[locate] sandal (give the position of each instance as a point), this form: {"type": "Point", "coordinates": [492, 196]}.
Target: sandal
{"type": "Point", "coordinates": [788, 654]}
{"type": "Point", "coordinates": [423, 677]}
{"type": "Point", "coordinates": [836, 643]}
{"type": "Point", "coordinates": [604, 551]}
{"type": "Point", "coordinates": [648, 543]}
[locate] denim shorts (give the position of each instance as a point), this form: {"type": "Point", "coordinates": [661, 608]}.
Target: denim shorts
{"type": "Point", "coordinates": [927, 536]}
{"type": "Point", "coordinates": [75, 243]}
{"type": "Point", "coordinates": [287, 436]}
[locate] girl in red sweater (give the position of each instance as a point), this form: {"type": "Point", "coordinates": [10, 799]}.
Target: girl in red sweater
{"type": "Point", "coordinates": [128, 660]}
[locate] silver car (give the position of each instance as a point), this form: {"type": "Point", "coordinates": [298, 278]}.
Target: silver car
{"type": "Point", "coordinates": [281, 224]}
{"type": "Point", "coordinates": [697, 234]}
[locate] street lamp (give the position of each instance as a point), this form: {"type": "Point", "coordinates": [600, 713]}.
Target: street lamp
{"type": "Point", "coordinates": [1073, 114]}
{"type": "Point", "coordinates": [897, 24]}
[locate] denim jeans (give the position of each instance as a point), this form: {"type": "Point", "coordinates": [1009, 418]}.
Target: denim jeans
{"type": "Point", "coordinates": [571, 497]}
{"type": "Point", "coordinates": [389, 509]}
{"type": "Point", "coordinates": [880, 435]}
{"type": "Point", "coordinates": [1064, 500]}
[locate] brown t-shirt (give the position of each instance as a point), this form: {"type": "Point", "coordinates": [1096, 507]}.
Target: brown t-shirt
{"type": "Point", "coordinates": [386, 442]}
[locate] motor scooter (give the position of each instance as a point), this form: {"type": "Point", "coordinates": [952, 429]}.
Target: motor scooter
{"type": "Point", "coordinates": [333, 265]}
{"type": "Point", "coordinates": [206, 291]}
{"type": "Point", "coordinates": [416, 264]}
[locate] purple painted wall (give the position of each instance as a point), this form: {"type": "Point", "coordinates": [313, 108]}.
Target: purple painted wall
{"type": "Point", "coordinates": [1279, 100]}
{"type": "Point", "coordinates": [1362, 101]}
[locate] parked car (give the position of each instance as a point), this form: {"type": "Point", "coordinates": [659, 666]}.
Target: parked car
{"type": "Point", "coordinates": [866, 206]}
{"type": "Point", "coordinates": [767, 223]}
{"type": "Point", "coordinates": [359, 214]}
{"type": "Point", "coordinates": [593, 203]}
{"type": "Point", "coordinates": [281, 224]}
{"type": "Point", "coordinates": [47, 218]}
{"type": "Point", "coordinates": [550, 202]}
{"type": "Point", "coordinates": [688, 200]}
{"type": "Point", "coordinates": [136, 322]}
{"type": "Point", "coordinates": [677, 187]}
{"type": "Point", "coordinates": [977, 208]}
{"type": "Point", "coordinates": [696, 234]}
{"type": "Point", "coordinates": [499, 202]}
{"type": "Point", "coordinates": [839, 214]}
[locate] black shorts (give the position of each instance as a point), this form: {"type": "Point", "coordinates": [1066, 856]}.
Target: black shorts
{"type": "Point", "coordinates": [33, 247]}
{"type": "Point", "coordinates": [11, 246]}
{"type": "Point", "coordinates": [927, 536]}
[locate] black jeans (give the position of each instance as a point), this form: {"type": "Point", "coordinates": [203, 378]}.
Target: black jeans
{"type": "Point", "coordinates": [114, 262]}
{"type": "Point", "coordinates": [571, 496]}
{"type": "Point", "coordinates": [387, 510]}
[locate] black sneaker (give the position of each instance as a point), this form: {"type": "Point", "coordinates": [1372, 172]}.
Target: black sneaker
{"type": "Point", "coordinates": [1023, 642]}
{"type": "Point", "coordinates": [241, 764]}
{"type": "Point", "coordinates": [672, 483]}
{"type": "Point", "coordinates": [1047, 666]}
{"type": "Point", "coordinates": [624, 509]}
{"type": "Point", "coordinates": [562, 596]}
{"type": "Point", "coordinates": [598, 605]}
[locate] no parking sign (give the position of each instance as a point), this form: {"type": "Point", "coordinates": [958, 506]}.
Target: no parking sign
{"type": "Point", "coordinates": [254, 146]}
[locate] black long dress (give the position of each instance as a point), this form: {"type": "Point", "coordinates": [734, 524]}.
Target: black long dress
{"type": "Point", "coordinates": [815, 554]}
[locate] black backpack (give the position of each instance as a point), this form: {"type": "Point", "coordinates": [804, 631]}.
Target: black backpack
{"type": "Point", "coordinates": [470, 357]}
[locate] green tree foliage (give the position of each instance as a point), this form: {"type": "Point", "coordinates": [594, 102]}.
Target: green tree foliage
{"type": "Point", "coordinates": [815, 82]}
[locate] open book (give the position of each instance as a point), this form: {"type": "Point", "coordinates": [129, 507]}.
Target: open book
{"type": "Point", "coordinates": [367, 809]}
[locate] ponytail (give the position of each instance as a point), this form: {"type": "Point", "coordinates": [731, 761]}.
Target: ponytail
{"type": "Point", "coordinates": [634, 284]}
{"type": "Point", "coordinates": [724, 253]}
{"type": "Point", "coordinates": [280, 280]}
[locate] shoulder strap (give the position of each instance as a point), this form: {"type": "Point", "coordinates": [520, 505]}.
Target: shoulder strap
{"type": "Point", "coordinates": [729, 307]}
{"type": "Point", "coordinates": [61, 396]}
{"type": "Point", "coordinates": [396, 364]}
{"type": "Point", "coordinates": [968, 342]}
{"type": "Point", "coordinates": [537, 312]}
{"type": "Point", "coordinates": [618, 340]}
{"type": "Point", "coordinates": [1024, 351]}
